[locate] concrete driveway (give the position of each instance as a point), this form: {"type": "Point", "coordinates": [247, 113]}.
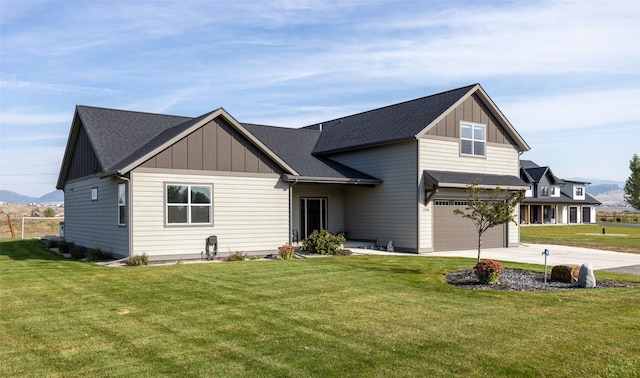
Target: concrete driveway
{"type": "Point", "coordinates": [532, 254]}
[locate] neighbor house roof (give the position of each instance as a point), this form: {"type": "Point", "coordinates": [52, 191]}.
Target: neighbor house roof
{"type": "Point", "coordinates": [563, 199]}
{"type": "Point", "coordinates": [534, 173]}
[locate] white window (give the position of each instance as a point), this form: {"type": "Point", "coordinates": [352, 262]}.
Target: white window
{"type": "Point", "coordinates": [122, 204]}
{"type": "Point", "coordinates": [472, 139]}
{"type": "Point", "coordinates": [188, 204]}
{"type": "Point", "coordinates": [441, 203]}
{"type": "Point", "coordinates": [544, 191]}
{"type": "Point", "coordinates": [94, 194]}
{"type": "Point", "coordinates": [579, 192]}
{"type": "Point", "coordinates": [460, 203]}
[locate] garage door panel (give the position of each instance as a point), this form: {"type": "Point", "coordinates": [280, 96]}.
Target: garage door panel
{"type": "Point", "coordinates": [453, 232]}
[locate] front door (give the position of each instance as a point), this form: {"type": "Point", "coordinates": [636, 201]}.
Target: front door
{"type": "Point", "coordinates": [313, 215]}
{"type": "Point", "coordinates": [573, 215]}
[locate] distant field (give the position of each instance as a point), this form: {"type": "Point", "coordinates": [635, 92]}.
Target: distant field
{"type": "Point", "coordinates": [33, 228]}
{"type": "Point", "coordinates": [616, 238]}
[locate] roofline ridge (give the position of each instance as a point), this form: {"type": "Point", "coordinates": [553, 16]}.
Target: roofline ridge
{"type": "Point", "coordinates": [280, 127]}
{"type": "Point", "coordinates": [388, 106]}
{"type": "Point", "coordinates": [132, 111]}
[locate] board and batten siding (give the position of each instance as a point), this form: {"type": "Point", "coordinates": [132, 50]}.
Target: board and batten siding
{"type": "Point", "coordinates": [94, 223]}
{"type": "Point", "coordinates": [443, 154]}
{"type": "Point", "coordinates": [388, 211]}
{"type": "Point", "coordinates": [250, 213]}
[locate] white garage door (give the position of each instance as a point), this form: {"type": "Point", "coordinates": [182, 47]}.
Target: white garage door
{"type": "Point", "coordinates": [453, 232]}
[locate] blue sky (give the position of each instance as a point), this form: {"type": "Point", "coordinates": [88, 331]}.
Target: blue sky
{"type": "Point", "coordinates": [565, 73]}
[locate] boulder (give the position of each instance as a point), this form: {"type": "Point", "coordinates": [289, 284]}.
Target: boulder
{"type": "Point", "coordinates": [586, 278]}
{"type": "Point", "coordinates": [565, 273]}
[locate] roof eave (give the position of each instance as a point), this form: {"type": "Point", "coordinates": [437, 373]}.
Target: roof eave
{"type": "Point", "coordinates": [330, 180]}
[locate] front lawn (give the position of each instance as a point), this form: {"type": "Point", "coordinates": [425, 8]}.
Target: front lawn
{"type": "Point", "coordinates": [373, 316]}
{"type": "Point", "coordinates": [615, 238]}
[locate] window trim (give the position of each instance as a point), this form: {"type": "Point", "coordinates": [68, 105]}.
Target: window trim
{"type": "Point", "coordinates": [189, 205]}
{"type": "Point", "coordinates": [579, 191]}
{"type": "Point", "coordinates": [473, 140]}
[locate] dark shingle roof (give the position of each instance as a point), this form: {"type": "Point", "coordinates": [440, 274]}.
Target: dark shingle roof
{"type": "Point", "coordinates": [442, 178]}
{"type": "Point", "coordinates": [563, 199]}
{"type": "Point", "coordinates": [294, 146]}
{"type": "Point", "coordinates": [384, 125]}
{"type": "Point", "coordinates": [116, 134]}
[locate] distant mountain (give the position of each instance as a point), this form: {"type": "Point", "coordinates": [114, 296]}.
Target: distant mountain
{"type": "Point", "coordinates": [595, 190]}
{"type": "Point", "coordinates": [13, 197]}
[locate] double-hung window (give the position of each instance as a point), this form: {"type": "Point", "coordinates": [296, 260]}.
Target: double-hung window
{"type": "Point", "coordinates": [122, 204]}
{"type": "Point", "coordinates": [188, 204]}
{"type": "Point", "coordinates": [472, 139]}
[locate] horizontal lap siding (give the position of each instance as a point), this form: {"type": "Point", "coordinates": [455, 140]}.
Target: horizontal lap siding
{"type": "Point", "coordinates": [95, 223]}
{"type": "Point", "coordinates": [444, 155]}
{"type": "Point", "coordinates": [249, 214]}
{"type": "Point", "coordinates": [388, 211]}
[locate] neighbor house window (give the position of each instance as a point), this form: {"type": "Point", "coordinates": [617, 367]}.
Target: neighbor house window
{"type": "Point", "coordinates": [94, 194]}
{"type": "Point", "coordinates": [472, 139]}
{"type": "Point", "coordinates": [122, 204]}
{"type": "Point", "coordinates": [554, 190]}
{"type": "Point", "coordinates": [579, 191]}
{"type": "Point", "coordinates": [544, 191]}
{"type": "Point", "coordinates": [188, 204]}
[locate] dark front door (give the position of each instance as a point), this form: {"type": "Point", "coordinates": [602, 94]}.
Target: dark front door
{"type": "Point", "coordinates": [573, 215]}
{"type": "Point", "coordinates": [313, 215]}
{"type": "Point", "coordinates": [586, 215]}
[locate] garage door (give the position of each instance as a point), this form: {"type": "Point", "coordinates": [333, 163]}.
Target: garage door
{"type": "Point", "coordinates": [453, 232]}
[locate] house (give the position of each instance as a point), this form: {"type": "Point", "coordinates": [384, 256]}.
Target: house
{"type": "Point", "coordinates": [551, 200]}
{"type": "Point", "coordinates": [158, 184]}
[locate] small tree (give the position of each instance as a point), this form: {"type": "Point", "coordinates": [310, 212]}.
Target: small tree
{"type": "Point", "coordinates": [489, 208]}
{"type": "Point", "coordinates": [49, 212]}
{"type": "Point", "coordinates": [632, 185]}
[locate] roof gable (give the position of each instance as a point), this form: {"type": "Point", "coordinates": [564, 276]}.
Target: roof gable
{"type": "Point", "coordinates": [385, 125]}
{"type": "Point", "coordinates": [406, 120]}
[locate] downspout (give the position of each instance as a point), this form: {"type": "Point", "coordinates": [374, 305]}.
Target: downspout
{"type": "Point", "coordinates": [291, 184]}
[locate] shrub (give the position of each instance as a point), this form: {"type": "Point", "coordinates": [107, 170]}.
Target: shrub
{"type": "Point", "coordinates": [65, 246]}
{"type": "Point", "coordinates": [78, 252]}
{"type": "Point", "coordinates": [137, 260]}
{"type": "Point", "coordinates": [488, 271]}
{"type": "Point", "coordinates": [49, 212]}
{"type": "Point", "coordinates": [52, 243]}
{"type": "Point", "coordinates": [323, 242]}
{"type": "Point", "coordinates": [286, 251]}
{"type": "Point", "coordinates": [344, 252]}
{"type": "Point", "coordinates": [255, 257]}
{"type": "Point", "coordinates": [237, 256]}
{"type": "Point", "coordinates": [96, 254]}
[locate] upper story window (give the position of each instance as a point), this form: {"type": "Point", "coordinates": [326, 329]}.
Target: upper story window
{"type": "Point", "coordinates": [544, 191]}
{"type": "Point", "coordinates": [579, 192]}
{"type": "Point", "coordinates": [554, 191]}
{"type": "Point", "coordinates": [188, 204]}
{"type": "Point", "coordinates": [472, 139]}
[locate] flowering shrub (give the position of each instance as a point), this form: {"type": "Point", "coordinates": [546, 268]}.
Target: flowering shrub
{"type": "Point", "coordinates": [286, 251]}
{"type": "Point", "coordinates": [237, 256]}
{"type": "Point", "coordinates": [488, 271]}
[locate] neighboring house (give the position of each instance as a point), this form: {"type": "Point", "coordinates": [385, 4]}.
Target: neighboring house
{"type": "Point", "coordinates": [138, 182]}
{"type": "Point", "coordinates": [551, 200]}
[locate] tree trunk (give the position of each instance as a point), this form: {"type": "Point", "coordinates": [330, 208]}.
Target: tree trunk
{"type": "Point", "coordinates": [479, 244]}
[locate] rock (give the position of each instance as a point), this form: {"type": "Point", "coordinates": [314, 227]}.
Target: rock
{"type": "Point", "coordinates": [586, 278]}
{"type": "Point", "coordinates": [565, 273]}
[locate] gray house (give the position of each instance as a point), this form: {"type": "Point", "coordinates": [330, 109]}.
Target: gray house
{"type": "Point", "coordinates": [550, 200]}
{"type": "Point", "coordinates": [159, 184]}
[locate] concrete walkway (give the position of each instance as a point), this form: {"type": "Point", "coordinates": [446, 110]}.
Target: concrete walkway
{"type": "Point", "coordinates": [532, 254]}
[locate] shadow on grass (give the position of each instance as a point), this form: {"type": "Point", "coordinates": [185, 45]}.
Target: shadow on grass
{"type": "Point", "coordinates": [28, 249]}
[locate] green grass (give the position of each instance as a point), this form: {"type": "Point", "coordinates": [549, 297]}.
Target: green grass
{"type": "Point", "coordinates": [373, 316]}
{"type": "Point", "coordinates": [616, 238]}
